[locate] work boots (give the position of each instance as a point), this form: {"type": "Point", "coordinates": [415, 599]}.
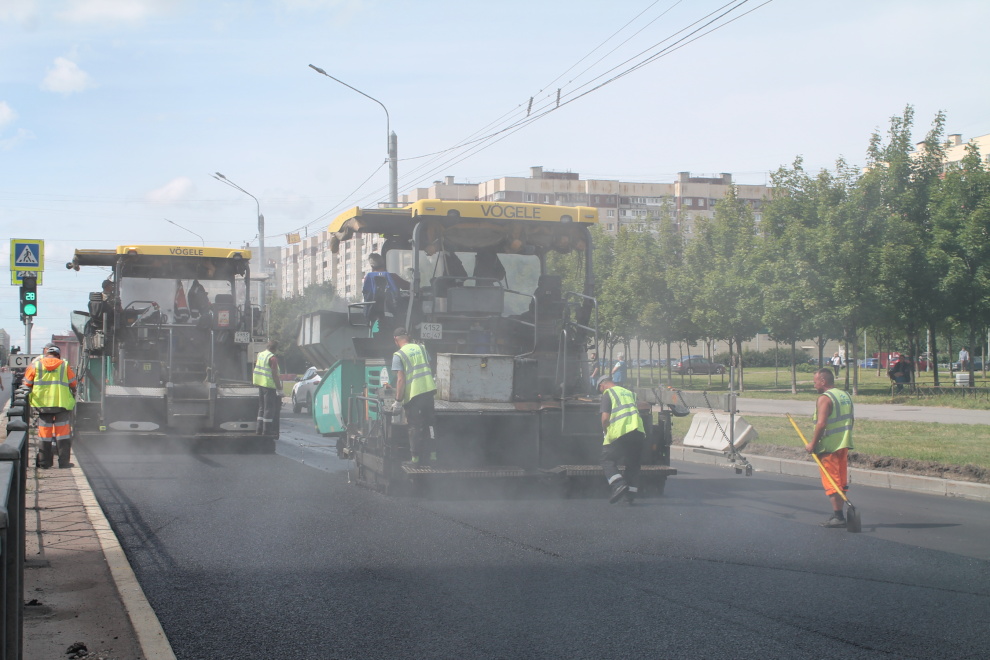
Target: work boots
{"type": "Point", "coordinates": [44, 457]}
{"type": "Point", "coordinates": [631, 494]}
{"type": "Point", "coordinates": [619, 489]}
{"type": "Point", "coordinates": [64, 451]}
{"type": "Point", "coordinates": [837, 520]}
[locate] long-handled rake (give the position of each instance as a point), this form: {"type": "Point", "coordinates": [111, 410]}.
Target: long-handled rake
{"type": "Point", "coordinates": [853, 523]}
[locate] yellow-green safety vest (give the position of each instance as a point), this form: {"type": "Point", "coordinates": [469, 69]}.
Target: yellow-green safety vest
{"type": "Point", "coordinates": [624, 417]}
{"type": "Point", "coordinates": [263, 370]}
{"type": "Point", "coordinates": [839, 426]}
{"type": "Point", "coordinates": [51, 388]}
{"type": "Point", "coordinates": [416, 367]}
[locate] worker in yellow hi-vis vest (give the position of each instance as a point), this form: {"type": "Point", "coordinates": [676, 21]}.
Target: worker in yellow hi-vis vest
{"type": "Point", "coordinates": [414, 391]}
{"type": "Point", "coordinates": [267, 378]}
{"type": "Point", "coordinates": [624, 439]}
{"type": "Point", "coordinates": [52, 386]}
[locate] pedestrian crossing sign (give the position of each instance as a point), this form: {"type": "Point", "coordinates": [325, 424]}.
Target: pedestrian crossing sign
{"type": "Point", "coordinates": [27, 254]}
{"type": "Point", "coordinates": [17, 277]}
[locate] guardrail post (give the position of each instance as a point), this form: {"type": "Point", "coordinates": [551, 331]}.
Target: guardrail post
{"type": "Point", "coordinates": [13, 481]}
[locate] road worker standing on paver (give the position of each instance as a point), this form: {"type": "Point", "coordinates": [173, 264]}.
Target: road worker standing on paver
{"type": "Point", "coordinates": [52, 386]}
{"type": "Point", "coordinates": [414, 392]}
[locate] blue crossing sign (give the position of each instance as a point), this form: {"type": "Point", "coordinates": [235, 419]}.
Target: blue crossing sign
{"type": "Point", "coordinates": [27, 254]}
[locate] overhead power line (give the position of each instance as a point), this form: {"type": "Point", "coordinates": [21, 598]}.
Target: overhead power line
{"type": "Point", "coordinates": [544, 102]}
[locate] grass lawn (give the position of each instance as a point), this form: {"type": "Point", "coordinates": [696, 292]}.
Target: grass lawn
{"type": "Point", "coordinates": [950, 444]}
{"type": "Point", "coordinates": [767, 383]}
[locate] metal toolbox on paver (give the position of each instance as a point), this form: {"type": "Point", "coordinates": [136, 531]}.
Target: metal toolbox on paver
{"type": "Point", "coordinates": [474, 378]}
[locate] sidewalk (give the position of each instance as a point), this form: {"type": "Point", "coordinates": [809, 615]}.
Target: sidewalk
{"type": "Point", "coordinates": [78, 585]}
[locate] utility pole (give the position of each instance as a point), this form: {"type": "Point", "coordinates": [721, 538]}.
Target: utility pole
{"type": "Point", "coordinates": [393, 170]}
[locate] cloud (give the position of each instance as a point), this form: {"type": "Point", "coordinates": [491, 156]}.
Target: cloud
{"type": "Point", "coordinates": [344, 8]}
{"type": "Point", "coordinates": [315, 4]}
{"type": "Point", "coordinates": [65, 77]}
{"type": "Point", "coordinates": [176, 190]}
{"type": "Point", "coordinates": [22, 134]}
{"type": "Point", "coordinates": [23, 12]}
{"type": "Point", "coordinates": [115, 11]}
{"type": "Point", "coordinates": [7, 115]}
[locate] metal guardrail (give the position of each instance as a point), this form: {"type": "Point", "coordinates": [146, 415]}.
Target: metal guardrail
{"type": "Point", "coordinates": [13, 482]}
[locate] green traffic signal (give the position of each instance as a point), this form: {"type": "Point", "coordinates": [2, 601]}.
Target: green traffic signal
{"type": "Point", "coordinates": [29, 297]}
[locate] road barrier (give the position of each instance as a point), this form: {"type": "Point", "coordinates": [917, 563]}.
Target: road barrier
{"type": "Point", "coordinates": [13, 481]}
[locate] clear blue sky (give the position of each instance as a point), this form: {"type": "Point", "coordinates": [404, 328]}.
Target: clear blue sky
{"type": "Point", "coordinates": [113, 113]}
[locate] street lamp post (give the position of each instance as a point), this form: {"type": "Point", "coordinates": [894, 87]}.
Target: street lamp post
{"type": "Point", "coordinates": [391, 141]}
{"type": "Point", "coordinates": [261, 239]}
{"type": "Point", "coordinates": [202, 242]}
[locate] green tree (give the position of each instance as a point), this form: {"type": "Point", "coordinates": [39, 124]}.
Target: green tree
{"type": "Point", "coordinates": [665, 318]}
{"type": "Point", "coordinates": [961, 237]}
{"type": "Point", "coordinates": [628, 285]}
{"type": "Point", "coordinates": [284, 316]}
{"type": "Point", "coordinates": [897, 191]}
{"type": "Point", "coordinates": [722, 258]}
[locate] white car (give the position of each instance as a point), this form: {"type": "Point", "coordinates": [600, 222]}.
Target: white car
{"type": "Point", "coordinates": [305, 389]}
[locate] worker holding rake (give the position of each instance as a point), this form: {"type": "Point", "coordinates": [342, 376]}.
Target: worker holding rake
{"type": "Point", "coordinates": [832, 441]}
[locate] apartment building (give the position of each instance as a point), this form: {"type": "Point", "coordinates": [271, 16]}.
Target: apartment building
{"type": "Point", "coordinates": [955, 148]}
{"type": "Point", "coordinates": [310, 261]}
{"type": "Point", "coordinates": [619, 203]}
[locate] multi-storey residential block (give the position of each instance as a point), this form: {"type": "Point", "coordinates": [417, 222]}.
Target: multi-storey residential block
{"type": "Point", "coordinates": [619, 203]}
{"type": "Point", "coordinates": [955, 148]}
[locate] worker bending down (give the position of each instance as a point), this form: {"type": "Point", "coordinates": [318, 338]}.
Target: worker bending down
{"type": "Point", "coordinates": [624, 439]}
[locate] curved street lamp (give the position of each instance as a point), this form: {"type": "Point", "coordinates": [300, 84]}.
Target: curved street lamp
{"type": "Point", "coordinates": [201, 241]}
{"type": "Point", "coordinates": [261, 238]}
{"type": "Point", "coordinates": [391, 141]}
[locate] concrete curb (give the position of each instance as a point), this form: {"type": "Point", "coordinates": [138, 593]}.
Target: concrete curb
{"type": "Point", "coordinates": [150, 634]}
{"type": "Point", "coordinates": [876, 478]}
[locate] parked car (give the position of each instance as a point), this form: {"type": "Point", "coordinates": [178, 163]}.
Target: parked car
{"type": "Point", "coordinates": [869, 363]}
{"type": "Point", "coordinates": [977, 365]}
{"type": "Point", "coordinates": [305, 389]}
{"type": "Point", "coordinates": [698, 365]}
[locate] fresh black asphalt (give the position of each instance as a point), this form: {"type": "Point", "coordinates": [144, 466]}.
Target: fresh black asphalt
{"type": "Point", "coordinates": [264, 556]}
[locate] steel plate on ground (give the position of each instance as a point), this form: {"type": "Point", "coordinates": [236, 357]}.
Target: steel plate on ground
{"type": "Point", "coordinates": [596, 470]}
{"type": "Point", "coordinates": [493, 471]}
{"type": "Point", "coordinates": [470, 406]}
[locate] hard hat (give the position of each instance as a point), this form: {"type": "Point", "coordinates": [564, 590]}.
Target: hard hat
{"type": "Point", "coordinates": [53, 349]}
{"type": "Point", "coordinates": [602, 379]}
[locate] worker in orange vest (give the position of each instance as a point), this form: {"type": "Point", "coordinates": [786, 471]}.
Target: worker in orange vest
{"type": "Point", "coordinates": [51, 384]}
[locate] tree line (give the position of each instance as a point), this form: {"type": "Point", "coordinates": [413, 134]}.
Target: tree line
{"type": "Point", "coordinates": [899, 250]}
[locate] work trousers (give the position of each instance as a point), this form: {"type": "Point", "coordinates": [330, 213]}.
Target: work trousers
{"type": "Point", "coordinates": [421, 418]}
{"type": "Point", "coordinates": [628, 450]}
{"type": "Point", "coordinates": [54, 426]}
{"type": "Point", "coordinates": [269, 411]}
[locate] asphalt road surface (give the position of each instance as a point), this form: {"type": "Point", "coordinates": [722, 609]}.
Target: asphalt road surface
{"type": "Point", "coordinates": [278, 556]}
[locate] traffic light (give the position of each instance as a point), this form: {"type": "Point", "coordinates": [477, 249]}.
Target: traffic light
{"type": "Point", "coordinates": [29, 296]}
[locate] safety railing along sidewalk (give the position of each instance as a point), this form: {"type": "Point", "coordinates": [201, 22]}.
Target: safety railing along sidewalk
{"type": "Point", "coordinates": [13, 482]}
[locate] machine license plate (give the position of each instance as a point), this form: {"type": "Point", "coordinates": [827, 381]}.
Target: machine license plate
{"type": "Point", "coordinates": [431, 331]}
{"type": "Point", "coordinates": [21, 360]}
{"type": "Point", "coordinates": [242, 337]}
